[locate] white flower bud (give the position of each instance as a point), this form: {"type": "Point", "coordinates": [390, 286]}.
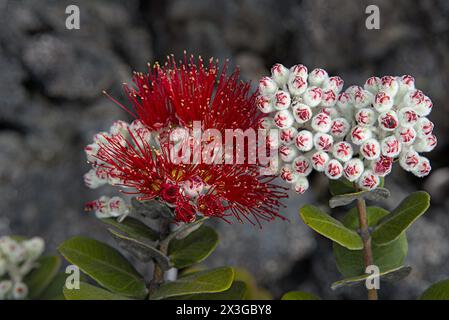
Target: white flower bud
{"type": "Point", "coordinates": [390, 146]}
{"type": "Point", "coordinates": [265, 103]}
{"type": "Point", "coordinates": [91, 180]}
{"type": "Point", "coordinates": [407, 117]}
{"type": "Point", "coordinates": [388, 120]}
{"type": "Point", "coordinates": [334, 83]}
{"type": "Point", "coordinates": [414, 99]}
{"type": "Point", "coordinates": [370, 149]}
{"type": "Point", "coordinates": [91, 151]}
{"type": "Point", "coordinates": [321, 122]}
{"type": "Point", "coordinates": [267, 86]}
{"type": "Point", "coordinates": [409, 159]}
{"type": "Point", "coordinates": [304, 141]}
{"type": "Point", "coordinates": [368, 180]}
{"type": "Point", "coordinates": [280, 74]}
{"type": "Point", "coordinates": [100, 137]}
{"type": "Point", "coordinates": [323, 141]}
{"type": "Point", "coordinates": [365, 117]}
{"type": "Point", "coordinates": [288, 153]}
{"type": "Point", "coordinates": [425, 144]}
{"type": "Point", "coordinates": [312, 97]}
{"type": "Point", "coordinates": [5, 288]}
{"type": "Point", "coordinates": [119, 127]}
{"type": "Point", "coordinates": [318, 77]}
{"type": "Point", "coordinates": [19, 291]}
{"type": "Point", "coordinates": [406, 136]}
{"type": "Point", "coordinates": [329, 98]}
{"type": "Point", "coordinates": [301, 112]}
{"type": "Point", "coordinates": [372, 84]}
{"type": "Point", "coordinates": [361, 98]}
{"type": "Point", "coordinates": [297, 84]}
{"type": "Point", "coordinates": [264, 124]}
{"type": "Point", "coordinates": [34, 247]}
{"type": "Point", "coordinates": [423, 167]}
{"type": "Point", "coordinates": [406, 83]}
{"type": "Point", "coordinates": [12, 250]}
{"type": "Point", "coordinates": [287, 136]}
{"type": "Point", "coordinates": [334, 169]}
{"type": "Point", "coordinates": [301, 185]}
{"type": "Point", "coordinates": [300, 70]}
{"type": "Point", "coordinates": [101, 207]}
{"type": "Point", "coordinates": [319, 160]}
{"type": "Point", "coordinates": [423, 127]}
{"type": "Point", "coordinates": [288, 175]}
{"type": "Point", "coordinates": [389, 85]}
{"type": "Point", "coordinates": [383, 102]}
{"type": "Point", "coordinates": [281, 100]}
{"type": "Point", "coordinates": [302, 166]}
{"type": "Point", "coordinates": [382, 166]}
{"type": "Point", "coordinates": [283, 119]}
{"type": "Point", "coordinates": [339, 127]}
{"type": "Point", "coordinates": [342, 151]}
{"type": "Point", "coordinates": [360, 134]}
{"type": "Point", "coordinates": [352, 169]}
{"type": "Point", "coordinates": [425, 108]}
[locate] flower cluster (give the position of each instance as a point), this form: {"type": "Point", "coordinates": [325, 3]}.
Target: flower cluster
{"type": "Point", "coordinates": [137, 157]}
{"type": "Point", "coordinates": [356, 134]}
{"type": "Point", "coordinates": [17, 259]}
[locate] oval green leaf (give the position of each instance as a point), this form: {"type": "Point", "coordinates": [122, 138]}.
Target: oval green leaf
{"type": "Point", "coordinates": [237, 291]}
{"type": "Point", "coordinates": [196, 247]}
{"type": "Point", "coordinates": [437, 291]}
{"type": "Point", "coordinates": [133, 228]}
{"type": "Point", "coordinates": [401, 218]}
{"type": "Point", "coordinates": [209, 281]}
{"type": "Point", "coordinates": [299, 295]}
{"type": "Point", "coordinates": [105, 265]}
{"type": "Point", "coordinates": [39, 279]}
{"type": "Point", "coordinates": [331, 228]}
{"type": "Point", "coordinates": [90, 292]}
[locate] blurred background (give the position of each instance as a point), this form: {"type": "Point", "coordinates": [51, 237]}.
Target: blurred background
{"type": "Point", "coordinates": [51, 104]}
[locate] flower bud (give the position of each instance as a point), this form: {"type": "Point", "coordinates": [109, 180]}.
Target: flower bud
{"type": "Point", "coordinates": [368, 180]}
{"type": "Point", "coordinates": [319, 160]}
{"type": "Point", "coordinates": [299, 70]}
{"type": "Point", "coordinates": [323, 141]}
{"type": "Point", "coordinates": [361, 98]}
{"type": "Point", "coordinates": [301, 185]}
{"type": "Point", "coordinates": [390, 147]}
{"type": "Point", "coordinates": [425, 144]}
{"type": "Point", "coordinates": [423, 167]}
{"type": "Point", "coordinates": [287, 136]}
{"type": "Point", "coordinates": [342, 151]}
{"type": "Point", "coordinates": [12, 250]}
{"type": "Point", "coordinates": [34, 247]}
{"type": "Point", "coordinates": [288, 175]}
{"type": "Point", "coordinates": [406, 136]}
{"type": "Point", "coordinates": [343, 104]}
{"type": "Point", "coordinates": [317, 77]}
{"type": "Point", "coordinates": [119, 127]}
{"type": "Point", "coordinates": [406, 83]}
{"type": "Point", "coordinates": [389, 85]}
{"type": "Point", "coordinates": [301, 112]}
{"type": "Point", "coordinates": [423, 109]}
{"type": "Point", "coordinates": [267, 86]}
{"type": "Point", "coordinates": [304, 141]}
{"type": "Point", "coordinates": [91, 151]}
{"type": "Point", "coordinates": [281, 100]}
{"type": "Point", "coordinates": [370, 149]}
{"type": "Point", "coordinates": [302, 166]}
{"type": "Point", "coordinates": [280, 74]}
{"type": "Point", "coordinates": [383, 102]}
{"type": "Point", "coordinates": [312, 97]}
{"type": "Point", "coordinates": [91, 180]}
{"type": "Point", "coordinates": [297, 85]}
{"type": "Point", "coordinates": [352, 169]}
{"type": "Point", "coordinates": [407, 117]}
{"type": "Point", "coordinates": [334, 169]}
{"type": "Point", "coordinates": [409, 159]}
{"type": "Point", "coordinates": [321, 122]}
{"type": "Point", "coordinates": [339, 127]}
{"type": "Point", "coordinates": [423, 127]}
{"type": "Point", "coordinates": [414, 98]}
{"type": "Point", "coordinates": [19, 291]}
{"type": "Point", "coordinates": [382, 166]}
{"type": "Point", "coordinates": [283, 119]}
{"type": "Point", "coordinates": [365, 117]}
{"type": "Point", "coordinates": [372, 85]}
{"type": "Point", "coordinates": [265, 103]}
{"type": "Point", "coordinates": [388, 120]}
{"type": "Point", "coordinates": [360, 134]}
{"type": "Point", "coordinates": [329, 98]}
{"type": "Point", "coordinates": [264, 123]}
{"type": "Point", "coordinates": [334, 83]}
{"type": "Point", "coordinates": [101, 207]}
{"type": "Point", "coordinates": [288, 153]}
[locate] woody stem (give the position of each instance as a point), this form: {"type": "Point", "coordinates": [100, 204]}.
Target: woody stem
{"type": "Point", "coordinates": [158, 272]}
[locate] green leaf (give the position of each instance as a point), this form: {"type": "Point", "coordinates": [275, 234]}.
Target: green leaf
{"type": "Point", "coordinates": [105, 265]}
{"type": "Point", "coordinates": [350, 262]}
{"type": "Point", "coordinates": [196, 247]}
{"type": "Point", "coordinates": [90, 292]}
{"type": "Point", "coordinates": [345, 199]}
{"type": "Point", "coordinates": [133, 228]}
{"type": "Point", "coordinates": [237, 291]}
{"type": "Point", "coordinates": [54, 289]}
{"type": "Point", "coordinates": [437, 291]}
{"type": "Point", "coordinates": [209, 281]}
{"type": "Point", "coordinates": [41, 277]}
{"type": "Point", "coordinates": [343, 186]}
{"type": "Point", "coordinates": [393, 226]}
{"type": "Point", "coordinates": [331, 228]}
{"type": "Point", "coordinates": [143, 251]}
{"type": "Point", "coordinates": [299, 295]}
{"type": "Point", "coordinates": [152, 209]}
{"type": "Point", "coordinates": [389, 275]}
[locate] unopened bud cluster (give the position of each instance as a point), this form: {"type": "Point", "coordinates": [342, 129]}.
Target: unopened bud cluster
{"type": "Point", "coordinates": [356, 134]}
{"type": "Point", "coordinates": [17, 259]}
